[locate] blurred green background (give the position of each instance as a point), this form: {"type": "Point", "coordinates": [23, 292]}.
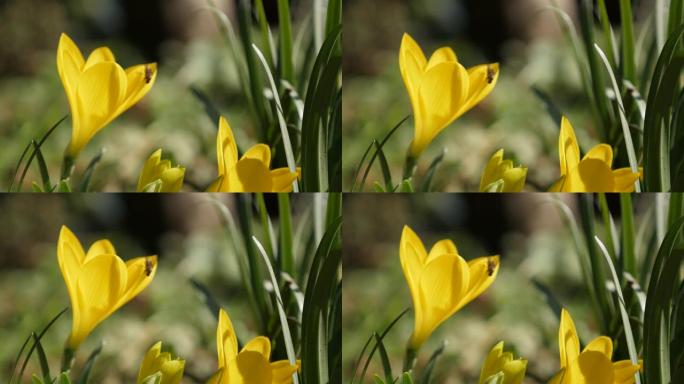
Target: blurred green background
{"type": "Point", "coordinates": [523, 35]}
{"type": "Point", "coordinates": [180, 35]}
{"type": "Point", "coordinates": [185, 231]}
{"type": "Point", "coordinates": [534, 243]}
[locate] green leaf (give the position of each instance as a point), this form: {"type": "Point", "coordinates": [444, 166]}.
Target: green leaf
{"type": "Point", "coordinates": [406, 378]}
{"type": "Point", "coordinates": [154, 378]}
{"type": "Point", "coordinates": [432, 169]}
{"type": "Point", "coordinates": [33, 155]}
{"type": "Point", "coordinates": [89, 365]}
{"type": "Point", "coordinates": [42, 167]}
{"type": "Point", "coordinates": [285, 61]}
{"type": "Point", "coordinates": [406, 186]}
{"type": "Point", "coordinates": [386, 174]}
{"type": "Point", "coordinates": [88, 173]}
{"type": "Point", "coordinates": [430, 366]}
{"type": "Point", "coordinates": [63, 186]}
{"type": "Point", "coordinates": [628, 235]}
{"type": "Point", "coordinates": [374, 348]}
{"type": "Point", "coordinates": [63, 378]}
{"type": "Point", "coordinates": [285, 251]}
{"type": "Point", "coordinates": [33, 346]}
{"type": "Point", "coordinates": [375, 154]}
{"type": "Point", "coordinates": [44, 367]}
{"type": "Point", "coordinates": [627, 24]}
{"type": "Point", "coordinates": [384, 358]}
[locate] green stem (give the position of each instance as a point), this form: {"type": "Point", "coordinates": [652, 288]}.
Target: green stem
{"type": "Point", "coordinates": [67, 167]}
{"type": "Point", "coordinates": [67, 359]}
{"type": "Point", "coordinates": [409, 166]}
{"type": "Point", "coordinates": [410, 358]}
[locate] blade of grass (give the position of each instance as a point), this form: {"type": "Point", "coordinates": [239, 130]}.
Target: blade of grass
{"type": "Point", "coordinates": [629, 335]}
{"type": "Point", "coordinates": [42, 167]}
{"type": "Point", "coordinates": [285, 62]}
{"type": "Point", "coordinates": [386, 366]}
{"type": "Point", "coordinates": [386, 174]}
{"type": "Point", "coordinates": [430, 366]}
{"type": "Point", "coordinates": [44, 367]}
{"type": "Point", "coordinates": [89, 364]}
{"type": "Point", "coordinates": [627, 23]}
{"type": "Point", "coordinates": [88, 173]}
{"type": "Point", "coordinates": [286, 255]}
{"type": "Point", "coordinates": [287, 144]}
{"type": "Point", "coordinates": [265, 31]}
{"type": "Point", "coordinates": [287, 335]}
{"type": "Point", "coordinates": [628, 238]}
{"type": "Point", "coordinates": [265, 225]}
{"type": "Point", "coordinates": [432, 169]}
{"type": "Point", "coordinates": [629, 144]}
{"type": "Point", "coordinates": [607, 33]}
{"type": "Point", "coordinates": [375, 154]}
{"type": "Point", "coordinates": [30, 352]}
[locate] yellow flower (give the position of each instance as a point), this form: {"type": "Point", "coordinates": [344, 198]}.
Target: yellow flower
{"type": "Point", "coordinates": [251, 365]}
{"type": "Point", "coordinates": [156, 363]}
{"type": "Point", "coordinates": [591, 366]}
{"type": "Point", "coordinates": [98, 89]}
{"type": "Point", "coordinates": [498, 361]}
{"type": "Point", "coordinates": [502, 176]}
{"type": "Point", "coordinates": [441, 282]}
{"type": "Point", "coordinates": [159, 176]}
{"type": "Point", "coordinates": [594, 172]}
{"type": "Point", "coordinates": [252, 172]}
{"type": "Point", "coordinates": [440, 89]}
{"type": "Point", "coordinates": [98, 282]}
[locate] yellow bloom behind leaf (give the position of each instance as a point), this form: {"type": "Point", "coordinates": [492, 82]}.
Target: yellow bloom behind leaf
{"type": "Point", "coordinates": [98, 281]}
{"type": "Point", "coordinates": [499, 361]}
{"type": "Point", "coordinates": [251, 173]}
{"type": "Point", "coordinates": [160, 363]}
{"type": "Point", "coordinates": [159, 175]}
{"type": "Point", "coordinates": [593, 364]}
{"type": "Point", "coordinates": [502, 176]}
{"type": "Point", "coordinates": [98, 89]}
{"type": "Point", "coordinates": [251, 365]}
{"type": "Point", "coordinates": [440, 89]}
{"type": "Point", "coordinates": [593, 173]}
{"type": "Point", "coordinates": [441, 282]}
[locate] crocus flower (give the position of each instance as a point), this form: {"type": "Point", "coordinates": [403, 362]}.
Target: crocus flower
{"type": "Point", "coordinates": [593, 364]}
{"type": "Point", "coordinates": [160, 176]}
{"type": "Point", "coordinates": [502, 176]}
{"type": "Point", "coordinates": [158, 363]}
{"type": "Point", "coordinates": [502, 363]}
{"type": "Point", "coordinates": [251, 173]}
{"type": "Point", "coordinates": [441, 282]}
{"type": "Point", "coordinates": [440, 89]}
{"type": "Point", "coordinates": [251, 365]}
{"type": "Point", "coordinates": [98, 89]}
{"type": "Point", "coordinates": [98, 281]}
{"type": "Point", "coordinates": [594, 172]}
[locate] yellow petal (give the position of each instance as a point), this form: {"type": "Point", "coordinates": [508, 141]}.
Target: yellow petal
{"type": "Point", "coordinates": [282, 371]}
{"type": "Point", "coordinates": [481, 80]}
{"type": "Point", "coordinates": [172, 179]}
{"type": "Point", "coordinates": [140, 272]}
{"type": "Point", "coordinates": [252, 368]}
{"type": "Point", "coordinates": [590, 367]}
{"type": "Point", "coordinates": [100, 91]}
{"type": "Point", "coordinates": [226, 148]}
{"type": "Point", "coordinates": [442, 55]}
{"type": "Point", "coordinates": [70, 63]}
{"type": "Point", "coordinates": [216, 185]}
{"type": "Point", "coordinates": [148, 173]}
{"type": "Point", "coordinates": [624, 179]}
{"type": "Point", "coordinates": [482, 273]}
{"type": "Point", "coordinates": [601, 152]}
{"type": "Point", "coordinates": [624, 372]}
{"type": "Point", "coordinates": [70, 256]}
{"type": "Point", "coordinates": [568, 342]}
{"type": "Point", "coordinates": [514, 179]}
{"type": "Point", "coordinates": [601, 344]}
{"type": "Point", "coordinates": [172, 371]}
{"type": "Point", "coordinates": [282, 179]}
{"type": "Point", "coordinates": [100, 247]}
{"type": "Point", "coordinates": [249, 175]}
{"type": "Point", "coordinates": [514, 371]}
{"type": "Point", "coordinates": [139, 80]}
{"type": "Point", "coordinates": [442, 247]}
{"type": "Point", "coordinates": [568, 149]}
{"type": "Point", "coordinates": [226, 340]}
{"type": "Point", "coordinates": [412, 63]}
{"type": "Point", "coordinates": [217, 377]}
{"type": "Point", "coordinates": [491, 364]}
{"type": "Point", "coordinates": [150, 365]}
{"type": "Point", "coordinates": [259, 344]}
{"type": "Point", "coordinates": [412, 255]}
{"type": "Point", "coordinates": [260, 152]}
{"type": "Point", "coordinates": [489, 175]}
{"type": "Point", "coordinates": [441, 92]}
{"type": "Point", "coordinates": [592, 175]}
{"type": "Point", "coordinates": [102, 54]}
{"type": "Point", "coordinates": [558, 185]}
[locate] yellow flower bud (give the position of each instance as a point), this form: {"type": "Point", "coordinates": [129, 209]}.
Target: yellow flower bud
{"type": "Point", "coordinates": [160, 363]}
{"type": "Point", "coordinates": [159, 176]}
{"type": "Point", "coordinates": [500, 362]}
{"type": "Point", "coordinates": [502, 176]}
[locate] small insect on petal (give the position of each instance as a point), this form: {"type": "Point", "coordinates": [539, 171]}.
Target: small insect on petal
{"type": "Point", "coordinates": [148, 74]}
{"type": "Point", "coordinates": [148, 267]}
{"type": "Point", "coordinates": [490, 74]}
{"type": "Point", "coordinates": [491, 265]}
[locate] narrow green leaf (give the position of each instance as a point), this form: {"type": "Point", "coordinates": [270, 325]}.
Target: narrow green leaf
{"type": "Point", "coordinates": [406, 186]}
{"type": "Point", "coordinates": [627, 23]}
{"type": "Point", "coordinates": [607, 32]}
{"type": "Point", "coordinates": [285, 253]}
{"type": "Point", "coordinates": [374, 348]}
{"type": "Point", "coordinates": [386, 174]}
{"type": "Point", "coordinates": [89, 364]}
{"type": "Point", "coordinates": [33, 154]}
{"type": "Point", "coordinates": [44, 367]}
{"type": "Point", "coordinates": [285, 62]}
{"type": "Point", "coordinates": [375, 154]}
{"type": "Point", "coordinates": [432, 169]}
{"type": "Point", "coordinates": [384, 358]}
{"type": "Point", "coordinates": [265, 30]}
{"type": "Point", "coordinates": [33, 346]}
{"type": "Point", "coordinates": [430, 366]}
{"type": "Point", "coordinates": [287, 335]}
{"type": "Point", "coordinates": [88, 173]}
{"type": "Point", "coordinates": [628, 235]}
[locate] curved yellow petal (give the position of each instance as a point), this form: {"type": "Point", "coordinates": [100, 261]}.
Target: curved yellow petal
{"type": "Point", "coordinates": [624, 179]}
{"type": "Point", "coordinates": [282, 371]}
{"type": "Point", "coordinates": [514, 179]}
{"type": "Point", "coordinates": [590, 367]}
{"type": "Point", "coordinates": [591, 175]}
{"type": "Point", "coordinates": [70, 257]}
{"type": "Point", "coordinates": [482, 80]}
{"type": "Point", "coordinates": [259, 344]}
{"type": "Point", "coordinates": [568, 149]}
{"type": "Point", "coordinates": [226, 148]}
{"type": "Point", "coordinates": [70, 63]}
{"type": "Point", "coordinates": [99, 55]}
{"type": "Point", "coordinates": [282, 179]}
{"type": "Point", "coordinates": [100, 247]}
{"type": "Point", "coordinates": [482, 273]}
{"type": "Point", "coordinates": [139, 79]}
{"type": "Point", "coordinates": [252, 368]}
{"type": "Point", "coordinates": [100, 91]}
{"type": "Point", "coordinates": [412, 255]}
{"type": "Point", "coordinates": [601, 344]}
{"type": "Point", "coordinates": [601, 152]}
{"type": "Point", "coordinates": [441, 92]}
{"type": "Point", "coordinates": [568, 342]}
{"type": "Point", "coordinates": [624, 371]}
{"type": "Point", "coordinates": [260, 152]}
{"type": "Point", "coordinates": [412, 63]}
{"type": "Point", "coordinates": [149, 171]}
{"type": "Point", "coordinates": [490, 172]}
{"type": "Point", "coordinates": [226, 340]}
{"type": "Point", "coordinates": [172, 179]}
{"type": "Point", "coordinates": [140, 272]}
{"type": "Point", "coordinates": [442, 247]}
{"type": "Point", "coordinates": [249, 175]}
{"type": "Point", "coordinates": [442, 55]}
